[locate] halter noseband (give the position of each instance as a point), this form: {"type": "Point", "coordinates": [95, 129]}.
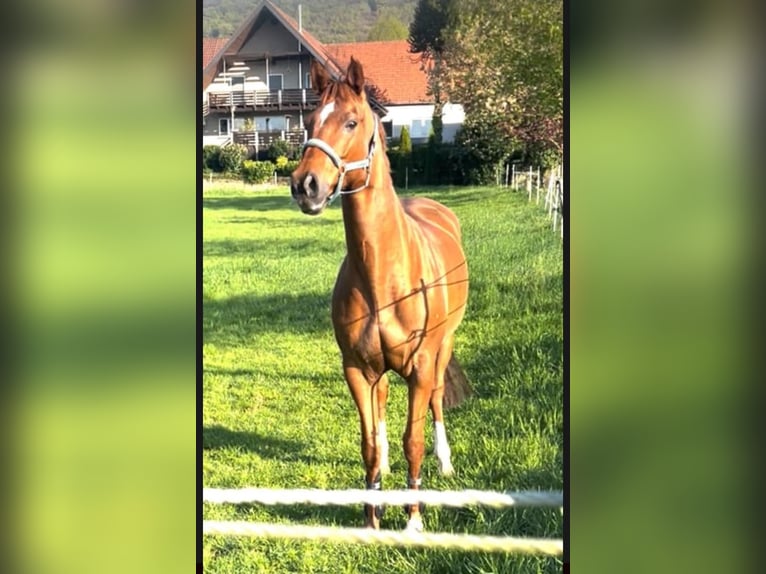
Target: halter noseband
{"type": "Point", "coordinates": [343, 166]}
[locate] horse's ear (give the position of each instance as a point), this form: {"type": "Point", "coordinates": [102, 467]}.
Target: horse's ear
{"type": "Point", "coordinates": [319, 77]}
{"type": "Point", "coordinates": [355, 76]}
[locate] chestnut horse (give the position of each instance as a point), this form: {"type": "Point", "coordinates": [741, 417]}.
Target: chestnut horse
{"type": "Point", "coordinates": [402, 288]}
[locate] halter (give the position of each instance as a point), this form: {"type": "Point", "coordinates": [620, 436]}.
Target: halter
{"type": "Point", "coordinates": [344, 166]}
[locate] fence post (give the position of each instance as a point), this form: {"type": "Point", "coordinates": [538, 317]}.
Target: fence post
{"type": "Point", "coordinates": [513, 177]}
{"type": "Point", "coordinates": [506, 175]}
{"type": "Point", "coordinates": [529, 184]}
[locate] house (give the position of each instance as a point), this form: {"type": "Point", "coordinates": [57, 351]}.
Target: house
{"type": "Point", "coordinates": [256, 84]}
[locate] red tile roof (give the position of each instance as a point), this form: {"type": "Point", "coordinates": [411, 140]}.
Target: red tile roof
{"type": "Point", "coordinates": [388, 65]}
{"type": "Point", "coordinates": [210, 47]}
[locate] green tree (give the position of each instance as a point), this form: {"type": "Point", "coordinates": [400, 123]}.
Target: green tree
{"type": "Point", "coordinates": [505, 65]}
{"type": "Point", "coordinates": [427, 29]}
{"type": "Point", "coordinates": [387, 27]}
{"type": "Point", "coordinates": [405, 143]}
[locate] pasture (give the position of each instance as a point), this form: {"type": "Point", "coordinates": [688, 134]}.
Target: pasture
{"type": "Point", "coordinates": [277, 412]}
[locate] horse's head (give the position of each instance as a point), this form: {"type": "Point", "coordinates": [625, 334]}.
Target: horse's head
{"type": "Point", "coordinates": [343, 129]}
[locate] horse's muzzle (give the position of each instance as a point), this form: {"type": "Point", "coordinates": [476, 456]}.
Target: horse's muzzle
{"type": "Point", "coordinates": [310, 194]}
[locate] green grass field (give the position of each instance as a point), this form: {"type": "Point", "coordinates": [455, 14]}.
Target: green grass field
{"type": "Point", "coordinates": [277, 412]}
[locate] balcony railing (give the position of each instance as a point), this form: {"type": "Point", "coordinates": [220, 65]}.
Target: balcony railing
{"type": "Point", "coordinates": [263, 99]}
{"type": "Point", "coordinates": [263, 139]}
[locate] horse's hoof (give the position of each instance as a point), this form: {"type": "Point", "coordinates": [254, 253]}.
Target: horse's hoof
{"type": "Point", "coordinates": [414, 524]}
{"type": "Point", "coordinates": [446, 469]}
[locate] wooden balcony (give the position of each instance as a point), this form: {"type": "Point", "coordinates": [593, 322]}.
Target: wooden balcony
{"type": "Point", "coordinates": [263, 139]}
{"type": "Point", "coordinates": [262, 100]}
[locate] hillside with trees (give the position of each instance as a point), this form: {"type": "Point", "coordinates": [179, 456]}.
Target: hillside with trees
{"type": "Point", "coordinates": [331, 21]}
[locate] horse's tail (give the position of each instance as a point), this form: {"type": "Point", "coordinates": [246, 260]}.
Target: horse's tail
{"type": "Point", "coordinates": [456, 387]}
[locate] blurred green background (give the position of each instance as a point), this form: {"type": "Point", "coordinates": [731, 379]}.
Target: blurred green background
{"type": "Point", "coordinates": [101, 152]}
{"type": "Point", "coordinates": [661, 251]}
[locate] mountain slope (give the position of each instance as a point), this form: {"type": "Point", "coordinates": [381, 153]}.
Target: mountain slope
{"type": "Point", "coordinates": [329, 20]}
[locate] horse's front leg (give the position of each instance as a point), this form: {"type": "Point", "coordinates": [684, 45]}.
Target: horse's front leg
{"type": "Point", "coordinates": [366, 399]}
{"type": "Point", "coordinates": [420, 388]}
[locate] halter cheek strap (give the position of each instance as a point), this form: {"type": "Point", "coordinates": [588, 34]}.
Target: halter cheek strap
{"type": "Point", "coordinates": [344, 167]}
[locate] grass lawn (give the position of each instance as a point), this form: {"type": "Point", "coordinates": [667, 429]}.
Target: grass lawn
{"type": "Point", "coordinates": [277, 412]}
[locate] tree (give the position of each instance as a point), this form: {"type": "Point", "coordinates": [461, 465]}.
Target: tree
{"type": "Point", "coordinates": [405, 142]}
{"type": "Point", "coordinates": [428, 29]}
{"type": "Point", "coordinates": [387, 27]}
{"type": "Point", "coordinates": [428, 26]}
{"type": "Point", "coordinates": [505, 65]}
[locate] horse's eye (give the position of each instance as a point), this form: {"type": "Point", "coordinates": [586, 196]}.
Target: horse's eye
{"type": "Point", "coordinates": [350, 125]}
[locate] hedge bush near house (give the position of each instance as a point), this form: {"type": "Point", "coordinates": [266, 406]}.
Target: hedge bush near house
{"type": "Point", "coordinates": [231, 158]}
{"type": "Point", "coordinates": [211, 158]}
{"type": "Point", "coordinates": [286, 168]}
{"type": "Point", "coordinates": [257, 171]}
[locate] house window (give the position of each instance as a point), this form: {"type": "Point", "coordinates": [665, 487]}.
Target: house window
{"type": "Point", "coordinates": [420, 128]}
{"type": "Point", "coordinates": [388, 127]}
{"type": "Point", "coordinates": [223, 126]}
{"type": "Point", "coordinates": [307, 82]}
{"type": "Point", "coordinates": [238, 82]}
{"type": "Point", "coordinates": [275, 81]}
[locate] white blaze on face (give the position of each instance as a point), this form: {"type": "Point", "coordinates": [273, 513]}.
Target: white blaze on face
{"type": "Point", "coordinates": [325, 112]}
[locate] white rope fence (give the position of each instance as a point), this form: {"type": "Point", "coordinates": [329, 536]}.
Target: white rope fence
{"type": "Point", "coordinates": [387, 537]}
{"type": "Point", "coordinates": [412, 538]}
{"type": "Point", "coordinates": [377, 497]}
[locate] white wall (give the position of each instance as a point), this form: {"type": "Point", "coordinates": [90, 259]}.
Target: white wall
{"type": "Point", "coordinates": [418, 119]}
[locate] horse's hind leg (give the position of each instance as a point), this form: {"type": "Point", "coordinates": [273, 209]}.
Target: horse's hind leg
{"type": "Point", "coordinates": [382, 396]}
{"type": "Point", "coordinates": [420, 385]}
{"type": "Point", "coordinates": [441, 446]}
{"type": "Point", "coordinates": [366, 401]}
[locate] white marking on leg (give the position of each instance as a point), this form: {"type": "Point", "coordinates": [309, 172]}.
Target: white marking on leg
{"type": "Point", "coordinates": [385, 468]}
{"type": "Point", "coordinates": [414, 524]}
{"type": "Point", "coordinates": [325, 112]}
{"type": "Point", "coordinates": [442, 449]}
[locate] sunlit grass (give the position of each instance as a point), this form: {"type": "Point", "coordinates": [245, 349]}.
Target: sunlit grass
{"type": "Point", "coordinates": [277, 412]}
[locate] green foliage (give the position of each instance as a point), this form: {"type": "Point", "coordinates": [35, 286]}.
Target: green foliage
{"type": "Point", "coordinates": [327, 21]}
{"type": "Point", "coordinates": [257, 171]}
{"type": "Point", "coordinates": [437, 128]}
{"type": "Point", "coordinates": [276, 149]}
{"type": "Point", "coordinates": [505, 65]}
{"type": "Point", "coordinates": [387, 27]}
{"type": "Point", "coordinates": [231, 157]}
{"type": "Point", "coordinates": [483, 146]}
{"type": "Point", "coordinates": [211, 158]}
{"type": "Point", "coordinates": [405, 142]}
{"type": "Point", "coordinates": [429, 25]}
{"type": "Point", "coordinates": [287, 168]}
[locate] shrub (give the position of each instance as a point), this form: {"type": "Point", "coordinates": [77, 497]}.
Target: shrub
{"type": "Point", "coordinates": [257, 171]}
{"type": "Point", "coordinates": [405, 142]}
{"type": "Point", "coordinates": [276, 149]}
{"type": "Point", "coordinates": [231, 158]}
{"type": "Point", "coordinates": [211, 158]}
{"type": "Point", "coordinates": [288, 168]}
{"type": "Point", "coordinates": [281, 162]}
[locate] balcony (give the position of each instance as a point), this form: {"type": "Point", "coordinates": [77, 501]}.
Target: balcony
{"type": "Point", "coordinates": [262, 100]}
{"type": "Point", "coordinates": [263, 139]}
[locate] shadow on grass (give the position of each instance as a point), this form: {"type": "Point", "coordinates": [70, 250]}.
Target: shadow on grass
{"type": "Point", "coordinates": [237, 319]}
{"type": "Point", "coordinates": [253, 202]}
{"type": "Point", "coordinates": [216, 437]}
{"type": "Point", "coordinates": [272, 248]}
